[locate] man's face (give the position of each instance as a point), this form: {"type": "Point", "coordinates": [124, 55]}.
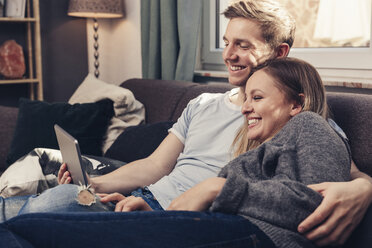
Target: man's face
{"type": "Point", "coordinates": [245, 48]}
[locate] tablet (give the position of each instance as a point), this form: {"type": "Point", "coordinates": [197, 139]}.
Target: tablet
{"type": "Point", "coordinates": [70, 151]}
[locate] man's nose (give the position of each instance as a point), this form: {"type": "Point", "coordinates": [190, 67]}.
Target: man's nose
{"type": "Point", "coordinates": [229, 53]}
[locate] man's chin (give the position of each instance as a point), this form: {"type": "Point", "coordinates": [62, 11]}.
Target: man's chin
{"type": "Point", "coordinates": [237, 82]}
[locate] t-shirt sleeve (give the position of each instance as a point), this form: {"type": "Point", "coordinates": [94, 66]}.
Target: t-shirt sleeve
{"type": "Point", "coordinates": [181, 127]}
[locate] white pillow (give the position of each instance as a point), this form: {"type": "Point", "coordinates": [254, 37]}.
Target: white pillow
{"type": "Point", "coordinates": [128, 111]}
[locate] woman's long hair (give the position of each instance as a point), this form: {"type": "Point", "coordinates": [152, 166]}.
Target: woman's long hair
{"type": "Point", "coordinates": [293, 77]}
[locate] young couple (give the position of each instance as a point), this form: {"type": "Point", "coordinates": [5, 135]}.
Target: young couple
{"type": "Point", "coordinates": [273, 186]}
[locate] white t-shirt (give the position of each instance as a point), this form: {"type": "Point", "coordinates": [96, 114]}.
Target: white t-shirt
{"type": "Point", "coordinates": [207, 128]}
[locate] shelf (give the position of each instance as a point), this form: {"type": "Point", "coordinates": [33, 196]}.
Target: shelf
{"type": "Point", "coordinates": [18, 81]}
{"type": "Point", "coordinates": [33, 50]}
{"type": "Point", "coordinates": [17, 19]}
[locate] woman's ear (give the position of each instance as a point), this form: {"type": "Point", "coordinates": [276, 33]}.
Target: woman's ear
{"type": "Point", "coordinates": [282, 50]}
{"type": "Point", "coordinates": [297, 106]}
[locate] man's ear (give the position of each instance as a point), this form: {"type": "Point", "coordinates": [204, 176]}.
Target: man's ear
{"type": "Point", "coordinates": [282, 50]}
{"type": "Point", "coordinates": [297, 106]}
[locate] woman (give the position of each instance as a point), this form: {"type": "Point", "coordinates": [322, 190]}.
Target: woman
{"type": "Point", "coordinates": [285, 144]}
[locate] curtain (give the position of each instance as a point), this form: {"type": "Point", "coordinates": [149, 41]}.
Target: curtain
{"type": "Point", "coordinates": [343, 21]}
{"type": "Point", "coordinates": [169, 36]}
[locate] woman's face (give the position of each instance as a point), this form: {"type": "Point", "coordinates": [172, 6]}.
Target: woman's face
{"type": "Point", "coordinates": [266, 108]}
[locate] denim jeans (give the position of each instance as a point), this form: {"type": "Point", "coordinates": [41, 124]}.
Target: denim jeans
{"type": "Point", "coordinates": [63, 198]}
{"type": "Point", "coordinates": [146, 194]}
{"type": "Point", "coordinates": [134, 229]}
{"type": "Point", "coordinates": [59, 218]}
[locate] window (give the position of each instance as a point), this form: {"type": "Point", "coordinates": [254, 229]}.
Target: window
{"type": "Point", "coordinates": [333, 35]}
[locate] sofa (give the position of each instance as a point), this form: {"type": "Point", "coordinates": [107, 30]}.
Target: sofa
{"type": "Point", "coordinates": [164, 100]}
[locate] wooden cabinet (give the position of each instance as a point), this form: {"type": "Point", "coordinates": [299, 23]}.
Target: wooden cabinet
{"type": "Point", "coordinates": [33, 75]}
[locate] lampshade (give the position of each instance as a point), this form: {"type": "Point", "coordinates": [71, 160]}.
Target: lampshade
{"type": "Point", "coordinates": [96, 8]}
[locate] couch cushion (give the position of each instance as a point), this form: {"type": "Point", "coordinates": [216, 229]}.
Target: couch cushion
{"type": "Point", "coordinates": [196, 91]}
{"type": "Point", "coordinates": [7, 126]}
{"type": "Point", "coordinates": [138, 142]}
{"type": "Point", "coordinates": [35, 125]}
{"type": "Point", "coordinates": [362, 236]}
{"type": "Point", "coordinates": [353, 112]}
{"type": "Point", "coordinates": [160, 97]}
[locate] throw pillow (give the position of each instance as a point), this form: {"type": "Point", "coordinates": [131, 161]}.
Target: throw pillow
{"type": "Point", "coordinates": [35, 126]}
{"type": "Point", "coordinates": [138, 142]}
{"type": "Point", "coordinates": [128, 111]}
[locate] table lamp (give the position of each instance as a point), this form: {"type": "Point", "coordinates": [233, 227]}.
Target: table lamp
{"type": "Point", "coordinates": [96, 9]}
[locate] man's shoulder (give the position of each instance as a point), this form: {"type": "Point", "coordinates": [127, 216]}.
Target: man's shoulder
{"type": "Point", "coordinates": [209, 98]}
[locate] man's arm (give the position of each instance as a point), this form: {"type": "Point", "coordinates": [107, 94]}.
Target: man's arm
{"type": "Point", "coordinates": [343, 207]}
{"type": "Point", "coordinates": [138, 173]}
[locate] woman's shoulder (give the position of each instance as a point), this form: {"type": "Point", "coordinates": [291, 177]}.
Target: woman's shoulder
{"type": "Point", "coordinates": [308, 119]}
{"type": "Point", "coordinates": [308, 116]}
{"type": "Point", "coordinates": [304, 122]}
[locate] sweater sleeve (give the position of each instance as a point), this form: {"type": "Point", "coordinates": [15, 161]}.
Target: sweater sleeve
{"type": "Point", "coordinates": [269, 183]}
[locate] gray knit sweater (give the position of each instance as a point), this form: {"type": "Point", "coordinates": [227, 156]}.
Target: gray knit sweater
{"type": "Point", "coordinates": [267, 185]}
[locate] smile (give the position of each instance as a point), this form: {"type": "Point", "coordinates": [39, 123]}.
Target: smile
{"type": "Point", "coordinates": [252, 121]}
{"type": "Point", "coordinates": [236, 67]}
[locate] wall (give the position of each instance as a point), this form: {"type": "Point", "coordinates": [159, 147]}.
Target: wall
{"type": "Point", "coordinates": [119, 45]}
{"type": "Point", "coordinates": [64, 53]}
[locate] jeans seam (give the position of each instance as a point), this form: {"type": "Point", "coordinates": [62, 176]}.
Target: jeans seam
{"type": "Point", "coordinates": [228, 242]}
{"type": "Point", "coordinates": [59, 219]}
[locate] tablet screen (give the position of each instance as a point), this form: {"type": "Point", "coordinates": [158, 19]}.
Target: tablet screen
{"type": "Point", "coordinates": [71, 155]}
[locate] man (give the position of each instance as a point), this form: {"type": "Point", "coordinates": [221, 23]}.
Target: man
{"type": "Point", "coordinates": [196, 149]}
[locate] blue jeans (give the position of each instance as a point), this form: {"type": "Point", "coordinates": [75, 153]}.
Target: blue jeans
{"type": "Point", "coordinates": [135, 229]}
{"type": "Point", "coordinates": [59, 218]}
{"type": "Point", "coordinates": [63, 198]}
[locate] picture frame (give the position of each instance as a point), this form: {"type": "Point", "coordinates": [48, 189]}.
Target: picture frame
{"type": "Point", "coordinates": [2, 8]}
{"type": "Point", "coordinates": [15, 8]}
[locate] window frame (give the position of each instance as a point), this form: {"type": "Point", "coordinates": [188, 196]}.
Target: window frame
{"type": "Point", "coordinates": [333, 64]}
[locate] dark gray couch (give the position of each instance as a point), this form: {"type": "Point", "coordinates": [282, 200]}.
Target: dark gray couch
{"type": "Point", "coordinates": [164, 100]}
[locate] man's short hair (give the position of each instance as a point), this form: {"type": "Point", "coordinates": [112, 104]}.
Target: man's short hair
{"type": "Point", "coordinates": [276, 24]}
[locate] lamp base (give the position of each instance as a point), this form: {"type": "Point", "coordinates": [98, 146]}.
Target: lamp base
{"type": "Point", "coordinates": [95, 45]}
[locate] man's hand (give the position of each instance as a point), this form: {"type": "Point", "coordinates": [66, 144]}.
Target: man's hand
{"type": "Point", "coordinates": [341, 210]}
{"type": "Point", "coordinates": [125, 204]}
{"type": "Point", "coordinates": [199, 197]}
{"type": "Point", "coordinates": [64, 176]}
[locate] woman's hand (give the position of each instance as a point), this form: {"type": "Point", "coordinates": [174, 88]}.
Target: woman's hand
{"type": "Point", "coordinates": [64, 176]}
{"type": "Point", "coordinates": [125, 204]}
{"type": "Point", "coordinates": [341, 210]}
{"type": "Point", "coordinates": [199, 197]}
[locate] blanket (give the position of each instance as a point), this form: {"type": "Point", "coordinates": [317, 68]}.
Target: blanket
{"type": "Point", "coordinates": [38, 171]}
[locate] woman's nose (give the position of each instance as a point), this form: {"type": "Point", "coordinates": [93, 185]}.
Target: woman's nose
{"type": "Point", "coordinates": [247, 107]}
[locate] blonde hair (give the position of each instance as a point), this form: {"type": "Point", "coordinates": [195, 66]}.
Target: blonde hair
{"type": "Point", "coordinates": [293, 77]}
{"type": "Point", "coordinates": [276, 24]}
